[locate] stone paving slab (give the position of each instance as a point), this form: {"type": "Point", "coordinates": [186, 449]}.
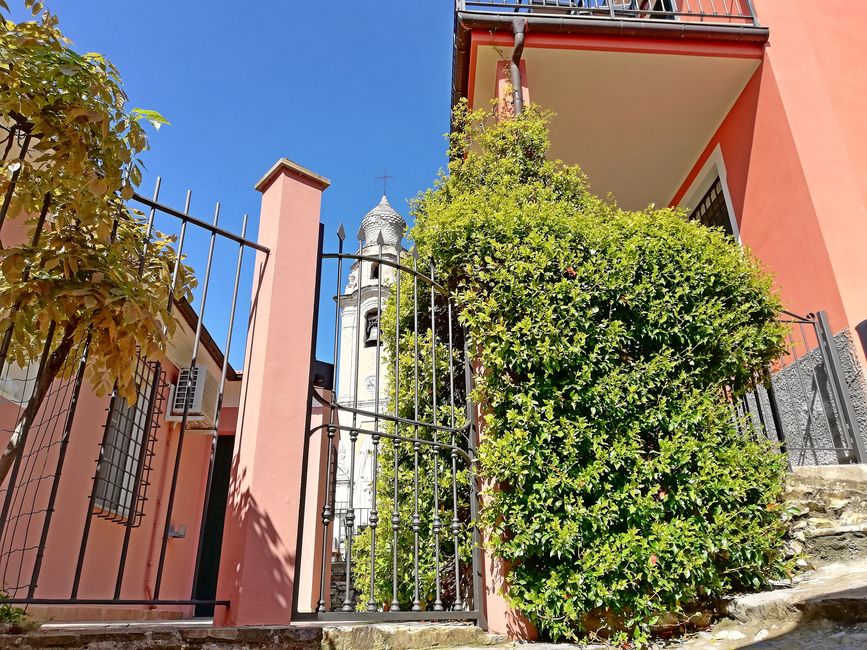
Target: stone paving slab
{"type": "Point", "coordinates": [153, 638]}
{"type": "Point", "coordinates": [837, 592]}
{"type": "Point", "coordinates": [407, 637]}
{"type": "Point", "coordinates": [780, 636]}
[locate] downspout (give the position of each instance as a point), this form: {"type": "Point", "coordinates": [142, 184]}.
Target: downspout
{"type": "Point", "coordinates": [519, 26]}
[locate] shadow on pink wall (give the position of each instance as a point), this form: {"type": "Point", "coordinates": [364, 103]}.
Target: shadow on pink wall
{"type": "Point", "coordinates": [274, 580]}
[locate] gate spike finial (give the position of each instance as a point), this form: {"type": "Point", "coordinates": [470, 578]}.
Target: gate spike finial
{"type": "Point", "coordinates": [380, 240]}
{"type": "Point", "coordinates": [341, 233]}
{"type": "Point", "coordinates": [414, 252]}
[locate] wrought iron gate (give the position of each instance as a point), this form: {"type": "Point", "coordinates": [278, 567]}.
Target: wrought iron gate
{"type": "Point", "coordinates": [399, 505]}
{"type": "Point", "coordinates": [43, 482]}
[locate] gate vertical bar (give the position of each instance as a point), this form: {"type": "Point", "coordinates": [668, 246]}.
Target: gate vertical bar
{"type": "Point", "coordinates": [416, 446]}
{"type": "Point", "coordinates": [438, 602]}
{"type": "Point", "coordinates": [815, 378]}
{"type": "Point", "coordinates": [327, 512]}
{"type": "Point", "coordinates": [193, 358]}
{"type": "Point", "coordinates": [798, 372]}
{"type": "Point", "coordinates": [456, 522]}
{"type": "Point", "coordinates": [212, 456]}
{"type": "Point", "coordinates": [169, 307]}
{"type": "Point", "coordinates": [775, 414]}
{"type": "Point", "coordinates": [838, 384]}
{"type": "Point", "coordinates": [142, 457]}
{"type": "Point", "coordinates": [348, 601]}
{"type": "Point", "coordinates": [374, 513]}
{"type": "Point", "coordinates": [395, 513]}
{"type": "Point", "coordinates": [472, 438]}
{"type": "Point", "coordinates": [61, 457]}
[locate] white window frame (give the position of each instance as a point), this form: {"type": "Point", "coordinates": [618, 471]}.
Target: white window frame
{"type": "Point", "coordinates": [713, 167]}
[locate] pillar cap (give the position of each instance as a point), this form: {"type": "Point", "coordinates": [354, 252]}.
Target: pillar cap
{"type": "Point", "coordinates": [286, 164]}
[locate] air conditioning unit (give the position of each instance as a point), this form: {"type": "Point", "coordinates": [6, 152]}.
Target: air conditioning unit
{"type": "Point", "coordinates": [197, 388]}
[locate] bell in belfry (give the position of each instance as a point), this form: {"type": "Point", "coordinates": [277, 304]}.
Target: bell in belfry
{"type": "Point", "coordinates": [372, 327]}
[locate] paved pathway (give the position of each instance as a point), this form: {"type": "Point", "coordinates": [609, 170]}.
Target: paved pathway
{"type": "Point", "coordinates": [780, 636]}
{"type": "Point", "coordinates": [734, 636]}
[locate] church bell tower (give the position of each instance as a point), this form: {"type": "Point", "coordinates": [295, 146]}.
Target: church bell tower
{"type": "Point", "coordinates": [381, 231]}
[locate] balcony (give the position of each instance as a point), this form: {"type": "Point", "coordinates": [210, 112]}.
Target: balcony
{"type": "Point", "coordinates": [657, 15]}
{"type": "Point", "coordinates": [637, 87]}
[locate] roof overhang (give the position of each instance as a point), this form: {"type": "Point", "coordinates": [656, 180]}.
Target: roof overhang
{"type": "Point", "coordinates": [211, 347]}
{"type": "Point", "coordinates": [467, 22]}
{"type": "Point", "coordinates": [634, 110]}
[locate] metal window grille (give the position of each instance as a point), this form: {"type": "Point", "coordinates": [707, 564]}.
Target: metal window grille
{"type": "Point", "coordinates": [712, 211]}
{"type": "Point", "coordinates": [127, 448]}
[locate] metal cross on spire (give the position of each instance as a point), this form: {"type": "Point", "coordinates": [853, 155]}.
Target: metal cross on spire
{"type": "Point", "coordinates": [384, 178]}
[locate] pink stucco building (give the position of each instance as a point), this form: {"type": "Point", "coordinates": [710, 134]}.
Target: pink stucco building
{"type": "Point", "coordinates": [657, 100]}
{"type": "Point", "coordinates": [746, 113]}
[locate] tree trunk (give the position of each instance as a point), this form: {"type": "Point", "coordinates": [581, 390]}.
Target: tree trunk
{"type": "Point", "coordinates": [46, 377]}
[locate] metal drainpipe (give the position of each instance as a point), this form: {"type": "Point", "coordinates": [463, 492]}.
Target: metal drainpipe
{"type": "Point", "coordinates": [519, 25]}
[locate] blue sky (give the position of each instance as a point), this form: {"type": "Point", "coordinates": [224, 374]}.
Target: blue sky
{"type": "Point", "coordinates": [344, 88]}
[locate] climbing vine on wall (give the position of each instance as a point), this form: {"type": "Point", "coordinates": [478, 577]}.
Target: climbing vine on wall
{"type": "Point", "coordinates": [620, 487]}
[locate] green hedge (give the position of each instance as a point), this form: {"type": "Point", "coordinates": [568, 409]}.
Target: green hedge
{"type": "Point", "coordinates": [624, 490]}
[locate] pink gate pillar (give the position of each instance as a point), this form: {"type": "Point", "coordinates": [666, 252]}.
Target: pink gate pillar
{"type": "Point", "coordinates": [257, 568]}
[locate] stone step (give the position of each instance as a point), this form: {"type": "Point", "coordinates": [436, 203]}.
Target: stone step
{"type": "Point", "coordinates": [836, 592]}
{"type": "Point", "coordinates": [148, 636]}
{"type": "Point", "coordinates": [408, 636]}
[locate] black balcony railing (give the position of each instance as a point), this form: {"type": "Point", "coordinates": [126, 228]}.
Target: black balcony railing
{"type": "Point", "coordinates": [708, 12]}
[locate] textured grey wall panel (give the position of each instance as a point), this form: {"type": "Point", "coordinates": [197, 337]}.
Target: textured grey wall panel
{"type": "Point", "coordinates": [809, 414]}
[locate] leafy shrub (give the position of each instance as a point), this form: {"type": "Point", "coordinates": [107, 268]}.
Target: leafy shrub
{"type": "Point", "coordinates": [621, 488]}
{"type": "Point", "coordinates": [12, 618]}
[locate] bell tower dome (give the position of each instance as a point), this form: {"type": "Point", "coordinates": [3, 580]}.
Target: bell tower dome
{"type": "Point", "coordinates": [383, 219]}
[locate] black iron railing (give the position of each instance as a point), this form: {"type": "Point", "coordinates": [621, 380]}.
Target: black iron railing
{"type": "Point", "coordinates": [710, 12]}
{"type": "Point", "coordinates": [806, 400]}
{"type": "Point", "coordinates": [36, 484]}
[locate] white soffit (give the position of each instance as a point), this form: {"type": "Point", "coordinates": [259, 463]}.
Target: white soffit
{"type": "Point", "coordinates": [635, 122]}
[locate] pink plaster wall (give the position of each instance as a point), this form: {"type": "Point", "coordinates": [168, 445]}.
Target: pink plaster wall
{"type": "Point", "coordinates": [105, 539]}
{"type": "Point", "coordinates": [771, 199]}
{"type": "Point", "coordinates": [817, 58]}
{"type": "Point", "coordinates": [257, 570]}
{"type": "Point", "coordinates": [795, 148]}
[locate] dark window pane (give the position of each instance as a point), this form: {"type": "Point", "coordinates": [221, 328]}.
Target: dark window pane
{"type": "Point", "coordinates": [711, 211]}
